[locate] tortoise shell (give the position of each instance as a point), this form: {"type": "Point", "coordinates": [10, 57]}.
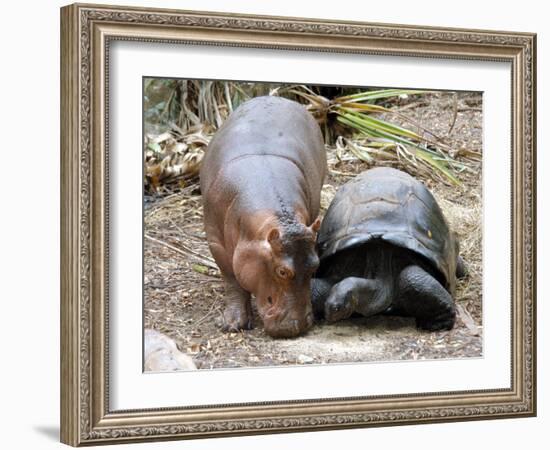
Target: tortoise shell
{"type": "Point", "coordinates": [391, 206]}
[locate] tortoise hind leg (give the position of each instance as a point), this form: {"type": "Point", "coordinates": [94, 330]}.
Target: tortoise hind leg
{"type": "Point", "coordinates": [421, 296]}
{"type": "Point", "coordinates": [461, 268]}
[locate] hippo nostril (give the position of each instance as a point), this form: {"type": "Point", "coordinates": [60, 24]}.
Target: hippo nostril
{"type": "Point", "coordinates": [270, 300]}
{"type": "Point", "coordinates": [270, 313]}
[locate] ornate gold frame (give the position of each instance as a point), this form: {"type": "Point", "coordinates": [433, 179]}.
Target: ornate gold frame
{"type": "Point", "coordinates": [86, 31]}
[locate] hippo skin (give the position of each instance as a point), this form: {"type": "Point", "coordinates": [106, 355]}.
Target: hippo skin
{"type": "Point", "coordinates": [261, 181]}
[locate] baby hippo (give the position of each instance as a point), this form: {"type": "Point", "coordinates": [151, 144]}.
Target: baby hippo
{"type": "Point", "coordinates": [261, 181]}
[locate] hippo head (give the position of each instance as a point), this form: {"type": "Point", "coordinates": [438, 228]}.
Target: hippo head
{"type": "Point", "coordinates": [281, 276]}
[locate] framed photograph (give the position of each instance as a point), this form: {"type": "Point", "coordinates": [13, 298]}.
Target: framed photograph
{"type": "Point", "coordinates": [276, 224]}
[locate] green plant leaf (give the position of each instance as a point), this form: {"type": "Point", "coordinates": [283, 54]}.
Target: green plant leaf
{"type": "Point", "coordinates": [374, 129]}
{"type": "Point", "coordinates": [155, 147]}
{"type": "Point", "coordinates": [376, 95]}
{"type": "Point", "coordinates": [200, 268]}
{"type": "Point", "coordinates": [382, 125]}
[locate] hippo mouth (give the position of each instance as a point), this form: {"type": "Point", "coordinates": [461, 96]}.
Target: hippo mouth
{"type": "Point", "coordinates": [286, 325]}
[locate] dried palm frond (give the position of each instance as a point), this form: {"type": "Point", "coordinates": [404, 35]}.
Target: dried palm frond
{"type": "Point", "coordinates": [195, 109]}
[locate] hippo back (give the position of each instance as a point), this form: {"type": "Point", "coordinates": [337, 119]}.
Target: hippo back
{"type": "Point", "coordinates": [392, 206]}
{"type": "Point", "coordinates": [262, 129]}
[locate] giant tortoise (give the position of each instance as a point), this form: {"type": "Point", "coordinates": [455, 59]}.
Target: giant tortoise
{"type": "Point", "coordinates": [385, 247]}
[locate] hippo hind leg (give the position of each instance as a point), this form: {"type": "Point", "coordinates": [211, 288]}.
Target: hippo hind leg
{"type": "Point", "coordinates": [421, 296]}
{"type": "Point", "coordinates": [237, 314]}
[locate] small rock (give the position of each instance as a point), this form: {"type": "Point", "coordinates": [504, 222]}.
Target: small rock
{"type": "Point", "coordinates": [162, 355]}
{"type": "Point", "coordinates": [327, 194]}
{"type": "Point", "coordinates": [304, 359]}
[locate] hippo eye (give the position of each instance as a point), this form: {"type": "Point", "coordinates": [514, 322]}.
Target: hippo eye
{"type": "Point", "coordinates": [284, 272]}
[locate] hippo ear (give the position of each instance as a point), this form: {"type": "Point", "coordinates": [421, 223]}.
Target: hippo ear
{"type": "Point", "coordinates": [316, 225]}
{"type": "Point", "coordinates": [274, 238]}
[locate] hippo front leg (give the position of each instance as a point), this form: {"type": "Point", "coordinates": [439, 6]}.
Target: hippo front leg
{"type": "Point", "coordinates": [237, 314]}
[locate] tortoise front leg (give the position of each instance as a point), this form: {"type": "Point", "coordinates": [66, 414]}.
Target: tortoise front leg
{"type": "Point", "coordinates": [421, 296]}
{"type": "Point", "coordinates": [353, 294]}
{"type": "Point", "coordinates": [320, 288]}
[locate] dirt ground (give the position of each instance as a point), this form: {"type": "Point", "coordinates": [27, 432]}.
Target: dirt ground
{"type": "Point", "coordinates": [184, 290]}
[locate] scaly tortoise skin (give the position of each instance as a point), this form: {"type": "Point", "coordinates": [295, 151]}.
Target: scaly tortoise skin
{"type": "Point", "coordinates": [385, 247]}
